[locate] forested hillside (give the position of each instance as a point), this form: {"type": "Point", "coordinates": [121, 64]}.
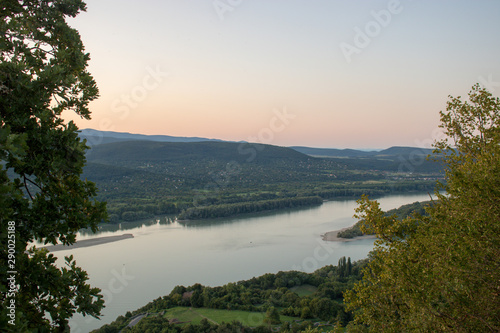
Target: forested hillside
{"type": "Point", "coordinates": [135, 153]}
{"type": "Point", "coordinates": [282, 302]}
{"type": "Point", "coordinates": [96, 137]}
{"type": "Point", "coordinates": [140, 179]}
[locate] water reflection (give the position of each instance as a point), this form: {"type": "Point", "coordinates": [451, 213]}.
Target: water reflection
{"type": "Point", "coordinates": [124, 226]}
{"type": "Point", "coordinates": [165, 253]}
{"type": "Point", "coordinates": [386, 203]}
{"type": "Point", "coordinates": [208, 223]}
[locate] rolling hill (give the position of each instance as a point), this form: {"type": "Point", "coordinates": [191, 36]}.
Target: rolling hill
{"type": "Point", "coordinates": [135, 153]}
{"type": "Point", "coordinates": [96, 137]}
{"type": "Point", "coordinates": [140, 177]}
{"type": "Point", "coordinates": [331, 152]}
{"type": "Point", "coordinates": [391, 153]}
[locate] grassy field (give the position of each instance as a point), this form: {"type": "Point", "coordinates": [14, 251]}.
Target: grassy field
{"type": "Point", "coordinates": [304, 290]}
{"type": "Point", "coordinates": [195, 315]}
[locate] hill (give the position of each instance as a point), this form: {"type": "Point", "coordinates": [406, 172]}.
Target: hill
{"type": "Point", "coordinates": [96, 137]}
{"type": "Point", "coordinates": [133, 152]}
{"type": "Point", "coordinates": [331, 152]}
{"type": "Point", "coordinates": [396, 152]}
{"type": "Point", "coordinates": [402, 151]}
{"type": "Point", "coordinates": [291, 301]}
{"type": "Point", "coordinates": [393, 159]}
{"type": "Point", "coordinates": [206, 179]}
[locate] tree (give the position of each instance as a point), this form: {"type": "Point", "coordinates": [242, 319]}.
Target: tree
{"type": "Point", "coordinates": [342, 266]}
{"type": "Point", "coordinates": [441, 272]}
{"type": "Point", "coordinates": [42, 74]}
{"type": "Point", "coordinates": [272, 316]}
{"type": "Point", "coordinates": [196, 299]}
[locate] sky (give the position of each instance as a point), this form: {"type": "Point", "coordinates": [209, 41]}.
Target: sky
{"type": "Point", "coordinates": [317, 73]}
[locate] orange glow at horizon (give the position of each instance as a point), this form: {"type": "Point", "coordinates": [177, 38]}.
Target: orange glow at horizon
{"type": "Point", "coordinates": [182, 70]}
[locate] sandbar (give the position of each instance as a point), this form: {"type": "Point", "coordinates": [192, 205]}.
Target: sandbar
{"type": "Point", "coordinates": [88, 242]}
{"type": "Point", "coordinates": [331, 236]}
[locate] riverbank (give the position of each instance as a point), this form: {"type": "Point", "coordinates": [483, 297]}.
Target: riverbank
{"type": "Point", "coordinates": [89, 242]}
{"type": "Point", "coordinates": [331, 236]}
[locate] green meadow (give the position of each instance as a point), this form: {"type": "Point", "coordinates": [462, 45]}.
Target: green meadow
{"type": "Point", "coordinates": [195, 315]}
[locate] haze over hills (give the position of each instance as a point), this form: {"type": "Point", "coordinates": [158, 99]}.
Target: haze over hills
{"type": "Point", "coordinates": [141, 175]}
{"type": "Point", "coordinates": [331, 152]}
{"type": "Point", "coordinates": [135, 153]}
{"type": "Point", "coordinates": [96, 137]}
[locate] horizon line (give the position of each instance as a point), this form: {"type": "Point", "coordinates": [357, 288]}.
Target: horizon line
{"type": "Point", "coordinates": [244, 141]}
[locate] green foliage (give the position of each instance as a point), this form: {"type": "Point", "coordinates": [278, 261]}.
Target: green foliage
{"type": "Point", "coordinates": [272, 316]}
{"type": "Point", "coordinates": [143, 179]}
{"type": "Point", "coordinates": [441, 272]}
{"type": "Point", "coordinates": [214, 211]}
{"type": "Point", "coordinates": [43, 73]}
{"type": "Point", "coordinates": [416, 208]}
{"type": "Point", "coordinates": [173, 178]}
{"type": "Point", "coordinates": [354, 231]}
{"type": "Point", "coordinates": [270, 299]}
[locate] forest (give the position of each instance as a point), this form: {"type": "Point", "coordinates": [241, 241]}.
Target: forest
{"type": "Point", "coordinates": [433, 266]}
{"type": "Point", "coordinates": [290, 301]}
{"type": "Point", "coordinates": [437, 272]}
{"type": "Point", "coordinates": [143, 179]}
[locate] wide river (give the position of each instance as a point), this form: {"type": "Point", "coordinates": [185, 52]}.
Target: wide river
{"type": "Point", "coordinates": [163, 254]}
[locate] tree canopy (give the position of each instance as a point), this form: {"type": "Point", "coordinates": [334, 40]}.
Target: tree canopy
{"type": "Point", "coordinates": [441, 272]}
{"type": "Point", "coordinates": [42, 74]}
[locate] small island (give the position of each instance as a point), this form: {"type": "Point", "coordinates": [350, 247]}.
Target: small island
{"type": "Point", "coordinates": [354, 232]}
{"type": "Point", "coordinates": [338, 235]}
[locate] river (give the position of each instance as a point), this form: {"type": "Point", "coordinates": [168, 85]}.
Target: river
{"type": "Point", "coordinates": [166, 253]}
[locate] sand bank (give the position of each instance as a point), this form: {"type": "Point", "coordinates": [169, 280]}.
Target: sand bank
{"type": "Point", "coordinates": [88, 242]}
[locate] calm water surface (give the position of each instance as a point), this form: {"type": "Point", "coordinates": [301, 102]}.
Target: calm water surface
{"type": "Point", "coordinates": [163, 254]}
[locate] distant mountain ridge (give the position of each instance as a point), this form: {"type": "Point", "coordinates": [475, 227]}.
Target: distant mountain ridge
{"type": "Point", "coordinates": [140, 177]}
{"type": "Point", "coordinates": [331, 152]}
{"type": "Point", "coordinates": [353, 153]}
{"type": "Point", "coordinates": [96, 137]}
{"type": "Point", "coordinates": [140, 152]}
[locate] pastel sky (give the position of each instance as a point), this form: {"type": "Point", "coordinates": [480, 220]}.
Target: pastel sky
{"type": "Point", "coordinates": [322, 73]}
